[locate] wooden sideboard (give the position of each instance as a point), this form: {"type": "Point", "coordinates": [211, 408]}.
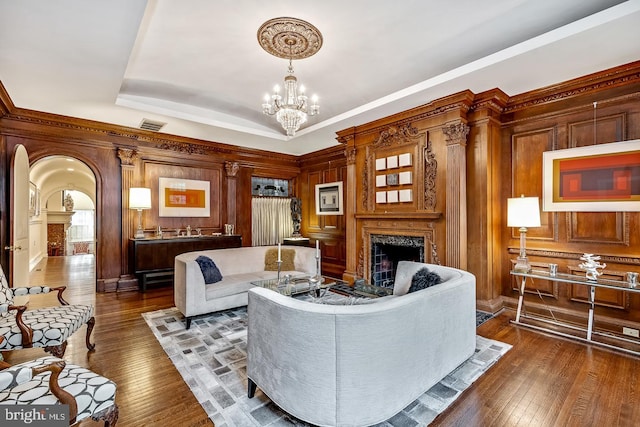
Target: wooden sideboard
{"type": "Point", "coordinates": [152, 260]}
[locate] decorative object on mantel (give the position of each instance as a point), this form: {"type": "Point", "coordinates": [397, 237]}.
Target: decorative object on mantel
{"type": "Point", "coordinates": [290, 38]}
{"type": "Point", "coordinates": [590, 265]}
{"type": "Point", "coordinates": [523, 212]}
{"type": "Point", "coordinates": [68, 203]}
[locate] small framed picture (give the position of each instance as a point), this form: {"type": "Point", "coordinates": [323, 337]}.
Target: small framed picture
{"type": "Point", "coordinates": [329, 198]}
{"type": "Point", "coordinates": [392, 162]}
{"type": "Point", "coordinates": [381, 164]}
{"type": "Point", "coordinates": [405, 177]}
{"type": "Point", "coordinates": [392, 196]}
{"type": "Point", "coordinates": [381, 180]}
{"type": "Point", "coordinates": [381, 197]}
{"type": "Point", "coordinates": [404, 159]}
{"type": "Point", "coordinates": [406, 195]}
{"type": "Point", "coordinates": [392, 179]}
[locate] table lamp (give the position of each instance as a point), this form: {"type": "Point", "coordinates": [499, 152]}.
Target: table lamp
{"type": "Point", "coordinates": [139, 199]}
{"type": "Point", "coordinates": [523, 212]}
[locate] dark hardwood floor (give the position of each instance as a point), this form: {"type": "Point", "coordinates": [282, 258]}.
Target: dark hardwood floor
{"type": "Point", "coordinates": [543, 381]}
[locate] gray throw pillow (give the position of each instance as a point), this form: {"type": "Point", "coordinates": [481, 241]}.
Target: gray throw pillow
{"type": "Point", "coordinates": [423, 279]}
{"type": "Point", "coordinates": [209, 269]}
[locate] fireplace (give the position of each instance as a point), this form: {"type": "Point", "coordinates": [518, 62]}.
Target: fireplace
{"type": "Point", "coordinates": [387, 251]}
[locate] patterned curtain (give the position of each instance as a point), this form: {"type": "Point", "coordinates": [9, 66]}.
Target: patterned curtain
{"type": "Point", "coordinates": [270, 220]}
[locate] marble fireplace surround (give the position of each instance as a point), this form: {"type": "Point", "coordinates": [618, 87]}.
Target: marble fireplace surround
{"type": "Point", "coordinates": [407, 228]}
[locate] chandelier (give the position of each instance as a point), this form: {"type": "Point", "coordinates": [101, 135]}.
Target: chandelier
{"type": "Point", "coordinates": [290, 38]}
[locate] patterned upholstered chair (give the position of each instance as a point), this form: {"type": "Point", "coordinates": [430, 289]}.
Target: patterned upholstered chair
{"type": "Point", "coordinates": [47, 327]}
{"type": "Point", "coordinates": [50, 381]}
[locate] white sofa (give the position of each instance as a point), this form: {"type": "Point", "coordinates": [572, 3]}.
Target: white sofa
{"type": "Point", "coordinates": [239, 267]}
{"type": "Point", "coordinates": [358, 365]}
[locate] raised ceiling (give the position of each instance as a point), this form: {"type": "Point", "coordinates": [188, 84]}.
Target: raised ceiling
{"type": "Point", "coordinates": [197, 65]}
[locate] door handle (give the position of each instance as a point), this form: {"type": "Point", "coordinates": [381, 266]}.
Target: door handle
{"type": "Point", "coordinates": [13, 248]}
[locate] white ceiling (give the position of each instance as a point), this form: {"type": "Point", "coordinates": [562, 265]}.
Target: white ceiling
{"type": "Point", "coordinates": [197, 64]}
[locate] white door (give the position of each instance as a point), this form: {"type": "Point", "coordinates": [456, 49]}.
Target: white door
{"type": "Point", "coordinates": [19, 246]}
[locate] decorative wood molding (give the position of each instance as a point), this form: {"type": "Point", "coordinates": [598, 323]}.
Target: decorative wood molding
{"type": "Point", "coordinates": [456, 134]}
{"type": "Point", "coordinates": [127, 156]}
{"type": "Point", "coordinates": [350, 154]}
{"type": "Point", "coordinates": [542, 253]}
{"type": "Point", "coordinates": [396, 135]}
{"type": "Point", "coordinates": [231, 168]}
{"type": "Point", "coordinates": [623, 75]}
{"type": "Point", "coordinates": [368, 164]}
{"type": "Point", "coordinates": [399, 215]}
{"type": "Point", "coordinates": [430, 175]}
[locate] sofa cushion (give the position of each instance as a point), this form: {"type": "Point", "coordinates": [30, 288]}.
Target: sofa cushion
{"type": "Point", "coordinates": [209, 269]}
{"type": "Point", "coordinates": [287, 256]}
{"type": "Point", "coordinates": [423, 279]}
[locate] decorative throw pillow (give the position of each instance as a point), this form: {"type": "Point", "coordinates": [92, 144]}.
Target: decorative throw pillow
{"type": "Point", "coordinates": [271, 260]}
{"type": "Point", "coordinates": [423, 279]}
{"type": "Point", "coordinates": [209, 269]}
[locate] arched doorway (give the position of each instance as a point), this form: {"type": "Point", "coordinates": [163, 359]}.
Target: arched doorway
{"type": "Point", "coordinates": [64, 223]}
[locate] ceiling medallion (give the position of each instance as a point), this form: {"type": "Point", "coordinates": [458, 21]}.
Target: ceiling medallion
{"type": "Point", "coordinates": [289, 38]}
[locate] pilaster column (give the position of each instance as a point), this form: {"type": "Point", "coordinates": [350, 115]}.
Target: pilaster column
{"type": "Point", "coordinates": [127, 168]}
{"type": "Point", "coordinates": [456, 214]}
{"type": "Point", "coordinates": [351, 197]}
{"type": "Point", "coordinates": [231, 169]}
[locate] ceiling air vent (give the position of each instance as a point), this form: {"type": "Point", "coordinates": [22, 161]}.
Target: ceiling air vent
{"type": "Point", "coordinates": [151, 125]}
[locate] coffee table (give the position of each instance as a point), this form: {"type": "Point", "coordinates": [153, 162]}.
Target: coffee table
{"type": "Point", "coordinates": [294, 285]}
{"type": "Point", "coordinates": [359, 289]}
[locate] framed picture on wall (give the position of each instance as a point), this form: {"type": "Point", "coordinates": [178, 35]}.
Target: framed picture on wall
{"type": "Point", "coordinates": [329, 199]}
{"type": "Point", "coordinates": [33, 199]}
{"type": "Point", "coordinates": [595, 178]}
{"type": "Point", "coordinates": [184, 198]}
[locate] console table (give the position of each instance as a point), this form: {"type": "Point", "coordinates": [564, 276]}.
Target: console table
{"type": "Point", "coordinates": [592, 285]}
{"type": "Point", "coordinates": [152, 260]}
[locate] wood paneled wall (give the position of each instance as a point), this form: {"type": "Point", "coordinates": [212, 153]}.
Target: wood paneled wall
{"type": "Point", "coordinates": [322, 167]}
{"type": "Point", "coordinates": [559, 117]}
{"type": "Point", "coordinates": [471, 152]}
{"type": "Point", "coordinates": [121, 158]}
{"type": "Point", "coordinates": [500, 156]}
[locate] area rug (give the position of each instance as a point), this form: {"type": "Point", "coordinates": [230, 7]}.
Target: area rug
{"type": "Point", "coordinates": [211, 357]}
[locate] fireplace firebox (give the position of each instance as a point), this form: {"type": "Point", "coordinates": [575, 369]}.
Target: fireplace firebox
{"type": "Point", "coordinates": [387, 251]}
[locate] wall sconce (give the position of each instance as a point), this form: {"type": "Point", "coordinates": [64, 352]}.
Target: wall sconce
{"type": "Point", "coordinates": [523, 212]}
{"type": "Point", "coordinates": [139, 199]}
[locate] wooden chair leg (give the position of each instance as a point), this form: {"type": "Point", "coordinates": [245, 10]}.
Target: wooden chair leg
{"type": "Point", "coordinates": [56, 350]}
{"type": "Point", "coordinates": [109, 416]}
{"type": "Point", "coordinates": [90, 324]}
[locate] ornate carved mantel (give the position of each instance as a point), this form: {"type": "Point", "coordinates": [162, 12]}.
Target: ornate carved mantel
{"type": "Point", "coordinates": [433, 138]}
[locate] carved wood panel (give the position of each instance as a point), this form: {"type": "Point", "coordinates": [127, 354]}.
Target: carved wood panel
{"type": "Point", "coordinates": [526, 166]}
{"type": "Point", "coordinates": [599, 131]}
{"type": "Point", "coordinates": [598, 227]}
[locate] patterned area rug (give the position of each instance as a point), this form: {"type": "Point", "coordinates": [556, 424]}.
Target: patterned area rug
{"type": "Point", "coordinates": [211, 357]}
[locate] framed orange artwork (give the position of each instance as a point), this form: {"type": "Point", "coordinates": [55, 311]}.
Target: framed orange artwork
{"type": "Point", "coordinates": [596, 178]}
{"type": "Point", "coordinates": [184, 198]}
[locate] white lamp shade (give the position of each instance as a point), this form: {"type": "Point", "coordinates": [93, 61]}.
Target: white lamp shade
{"type": "Point", "coordinates": [523, 212]}
{"type": "Point", "coordinates": [139, 198]}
